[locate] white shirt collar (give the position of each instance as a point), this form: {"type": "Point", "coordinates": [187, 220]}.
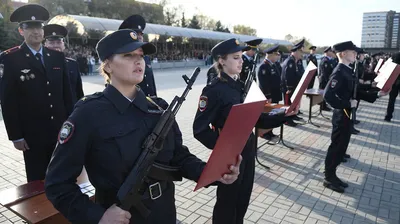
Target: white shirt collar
{"type": "Point", "coordinates": [34, 52]}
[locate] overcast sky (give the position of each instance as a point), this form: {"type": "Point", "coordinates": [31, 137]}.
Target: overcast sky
{"type": "Point", "coordinates": [323, 22]}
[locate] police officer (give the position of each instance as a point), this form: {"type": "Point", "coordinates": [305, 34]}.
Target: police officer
{"type": "Point", "coordinates": [278, 62]}
{"type": "Point", "coordinates": [54, 35]}
{"type": "Point", "coordinates": [248, 58]}
{"type": "Point", "coordinates": [291, 77]}
{"type": "Point", "coordinates": [311, 58]}
{"type": "Point", "coordinates": [339, 94]}
{"type": "Point", "coordinates": [269, 80]}
{"type": "Point", "coordinates": [215, 102]}
{"type": "Point", "coordinates": [325, 69]}
{"type": "Point", "coordinates": [300, 64]}
{"type": "Point", "coordinates": [36, 94]}
{"type": "Point", "coordinates": [137, 23]}
{"type": "Point", "coordinates": [394, 92]}
{"type": "Point", "coordinates": [109, 149]}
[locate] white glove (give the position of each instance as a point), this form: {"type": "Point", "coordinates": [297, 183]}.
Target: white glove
{"type": "Point", "coordinates": [381, 93]}
{"type": "Point", "coordinates": [353, 103]}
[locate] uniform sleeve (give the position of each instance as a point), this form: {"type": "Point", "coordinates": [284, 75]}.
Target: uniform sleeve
{"type": "Point", "coordinates": [333, 95]}
{"type": "Point", "coordinates": [264, 75]}
{"type": "Point", "coordinates": [191, 167]}
{"type": "Point", "coordinates": [206, 113]}
{"type": "Point", "coordinates": [9, 101]}
{"type": "Point", "coordinates": [369, 96]}
{"type": "Point", "coordinates": [79, 88]}
{"type": "Point", "coordinates": [268, 121]}
{"type": "Point", "coordinates": [67, 92]}
{"type": "Point", "coordinates": [66, 165]}
{"type": "Point", "coordinates": [291, 79]}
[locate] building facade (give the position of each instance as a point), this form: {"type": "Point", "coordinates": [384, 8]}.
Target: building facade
{"type": "Point", "coordinates": [380, 30]}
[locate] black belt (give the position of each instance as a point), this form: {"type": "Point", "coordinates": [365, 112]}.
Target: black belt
{"type": "Point", "coordinates": [163, 172]}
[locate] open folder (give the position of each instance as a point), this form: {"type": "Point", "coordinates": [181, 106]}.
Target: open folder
{"type": "Point", "coordinates": [387, 76]}
{"type": "Point", "coordinates": [233, 136]}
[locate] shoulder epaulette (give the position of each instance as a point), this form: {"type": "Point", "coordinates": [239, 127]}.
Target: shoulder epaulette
{"type": "Point", "coordinates": [11, 50]}
{"type": "Point", "coordinates": [90, 97]}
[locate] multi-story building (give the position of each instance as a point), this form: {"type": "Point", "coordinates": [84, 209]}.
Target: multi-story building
{"type": "Point", "coordinates": [395, 31]}
{"type": "Point", "coordinates": [380, 29]}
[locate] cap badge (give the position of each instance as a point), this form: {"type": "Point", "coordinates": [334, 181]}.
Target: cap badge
{"type": "Point", "coordinates": [139, 27]}
{"type": "Point", "coordinates": [133, 35]}
{"type": "Point", "coordinates": [33, 18]}
{"type": "Point", "coordinates": [54, 33]}
{"type": "Point", "coordinates": [237, 42]}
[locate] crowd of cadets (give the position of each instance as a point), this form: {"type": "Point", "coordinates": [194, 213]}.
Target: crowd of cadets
{"type": "Point", "coordinates": [40, 86]}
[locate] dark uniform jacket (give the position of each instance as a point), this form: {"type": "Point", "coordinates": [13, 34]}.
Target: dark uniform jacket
{"type": "Point", "coordinates": [301, 68]}
{"type": "Point", "coordinates": [290, 74]}
{"type": "Point", "coordinates": [148, 85]}
{"type": "Point", "coordinates": [340, 88]}
{"type": "Point", "coordinates": [269, 81]}
{"type": "Point", "coordinates": [36, 100]}
{"type": "Point", "coordinates": [313, 59]}
{"type": "Point", "coordinates": [74, 79]}
{"type": "Point", "coordinates": [246, 68]}
{"type": "Point", "coordinates": [215, 103]}
{"type": "Point", "coordinates": [108, 150]}
{"type": "Point", "coordinates": [325, 70]}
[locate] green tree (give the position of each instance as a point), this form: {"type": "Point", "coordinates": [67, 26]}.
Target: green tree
{"type": "Point", "coordinates": [219, 27]}
{"type": "Point", "coordinates": [183, 20]}
{"type": "Point", "coordinates": [246, 30]}
{"type": "Point", "coordinates": [194, 23]}
{"type": "Point", "coordinates": [289, 37]}
{"type": "Point", "coordinates": [9, 36]}
{"type": "Point", "coordinates": [206, 22]}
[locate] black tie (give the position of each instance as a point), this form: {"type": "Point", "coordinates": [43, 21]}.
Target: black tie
{"type": "Point", "coordinates": [39, 58]}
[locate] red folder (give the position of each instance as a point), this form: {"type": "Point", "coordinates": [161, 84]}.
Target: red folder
{"type": "Point", "coordinates": [233, 137]}
{"type": "Point", "coordinates": [388, 76]}
{"type": "Point", "coordinates": [302, 86]}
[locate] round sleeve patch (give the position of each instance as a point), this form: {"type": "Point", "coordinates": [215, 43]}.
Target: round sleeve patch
{"type": "Point", "coordinates": [333, 83]}
{"type": "Point", "coordinates": [203, 103]}
{"type": "Point", "coordinates": [66, 132]}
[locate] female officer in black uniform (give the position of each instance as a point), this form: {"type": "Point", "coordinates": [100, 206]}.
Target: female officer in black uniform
{"type": "Point", "coordinates": [215, 103]}
{"type": "Point", "coordinates": [105, 133]}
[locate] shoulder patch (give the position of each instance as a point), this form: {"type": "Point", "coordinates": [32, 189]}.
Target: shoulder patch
{"type": "Point", "coordinates": [203, 103]}
{"type": "Point", "coordinates": [66, 132]}
{"type": "Point", "coordinates": [333, 83]}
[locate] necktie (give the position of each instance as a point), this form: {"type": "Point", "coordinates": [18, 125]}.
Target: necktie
{"type": "Point", "coordinates": [40, 58]}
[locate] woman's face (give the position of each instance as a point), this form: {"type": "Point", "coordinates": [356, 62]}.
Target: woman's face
{"type": "Point", "coordinates": [127, 68]}
{"type": "Point", "coordinates": [233, 63]}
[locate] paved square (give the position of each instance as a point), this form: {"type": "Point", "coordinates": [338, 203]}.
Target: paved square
{"type": "Point", "coordinates": [292, 191]}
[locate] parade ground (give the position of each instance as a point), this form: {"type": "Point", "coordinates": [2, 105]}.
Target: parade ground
{"type": "Point", "coordinates": [292, 191]}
